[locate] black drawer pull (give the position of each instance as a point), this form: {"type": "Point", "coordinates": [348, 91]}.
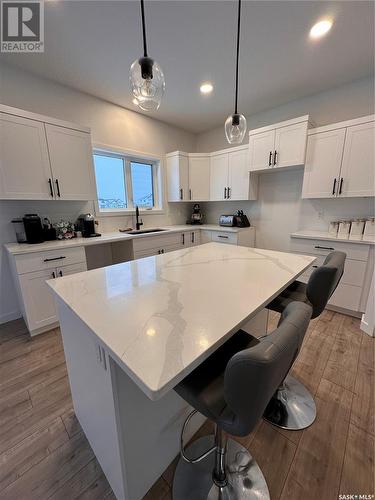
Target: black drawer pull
{"type": "Point", "coordinates": [340, 188]}
{"type": "Point", "coordinates": [221, 236]}
{"type": "Point", "coordinates": [60, 273]}
{"type": "Point", "coordinates": [270, 159]}
{"type": "Point", "coordinates": [55, 258]}
{"type": "Point", "coordinates": [58, 188]}
{"type": "Point", "coordinates": [334, 187]}
{"type": "Point", "coordinates": [53, 275]}
{"type": "Point", "coordinates": [324, 248]}
{"type": "Point", "coordinates": [315, 267]}
{"type": "Point", "coordinates": [50, 187]}
{"type": "Point", "coordinates": [183, 238]}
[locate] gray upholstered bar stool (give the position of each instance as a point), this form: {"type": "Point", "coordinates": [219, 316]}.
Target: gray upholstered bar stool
{"type": "Point", "coordinates": [292, 406]}
{"type": "Point", "coordinates": [232, 388]}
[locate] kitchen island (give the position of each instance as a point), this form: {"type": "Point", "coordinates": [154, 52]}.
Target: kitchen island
{"type": "Point", "coordinates": [133, 331]}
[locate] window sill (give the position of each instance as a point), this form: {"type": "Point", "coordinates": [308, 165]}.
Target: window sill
{"type": "Point", "coordinates": [129, 212]}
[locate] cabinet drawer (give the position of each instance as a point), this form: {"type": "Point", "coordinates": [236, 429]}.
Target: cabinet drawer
{"type": "Point", "coordinates": [354, 272]}
{"type": "Point", "coordinates": [346, 296]}
{"type": "Point", "coordinates": [353, 251]}
{"type": "Point", "coordinates": [149, 242]}
{"type": "Point", "coordinates": [38, 261]}
{"type": "Point", "coordinates": [223, 237]}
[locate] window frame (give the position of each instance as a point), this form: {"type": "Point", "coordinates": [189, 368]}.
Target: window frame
{"type": "Point", "coordinates": [128, 157]}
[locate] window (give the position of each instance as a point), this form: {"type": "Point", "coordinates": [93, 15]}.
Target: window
{"type": "Point", "coordinates": [122, 182]}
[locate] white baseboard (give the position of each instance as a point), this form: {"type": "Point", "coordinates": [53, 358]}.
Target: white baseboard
{"type": "Point", "coordinates": [365, 327]}
{"type": "Point", "coordinates": [4, 318]}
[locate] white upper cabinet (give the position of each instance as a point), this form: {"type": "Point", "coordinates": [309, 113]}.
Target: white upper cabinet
{"type": "Point", "coordinates": [340, 160]}
{"type": "Point", "coordinates": [290, 145]}
{"type": "Point", "coordinates": [278, 146]}
{"type": "Point", "coordinates": [178, 176]}
{"type": "Point", "coordinates": [358, 165]}
{"type": "Point", "coordinates": [199, 177]}
{"type": "Point", "coordinates": [70, 155]}
{"type": "Point", "coordinates": [43, 158]}
{"type": "Point", "coordinates": [219, 177]}
{"type": "Point", "coordinates": [323, 162]}
{"type": "Point", "coordinates": [25, 172]}
{"type": "Point", "coordinates": [239, 175]}
{"type": "Point", "coordinates": [261, 147]}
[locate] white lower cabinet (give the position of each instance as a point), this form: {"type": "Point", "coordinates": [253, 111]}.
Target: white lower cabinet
{"type": "Point", "coordinates": [349, 294]}
{"type": "Point", "coordinates": [31, 272]}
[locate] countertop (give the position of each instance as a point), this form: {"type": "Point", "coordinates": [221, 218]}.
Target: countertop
{"type": "Point", "coordinates": [161, 316]}
{"type": "Point", "coordinates": [23, 248]}
{"type": "Point", "coordinates": [325, 235]}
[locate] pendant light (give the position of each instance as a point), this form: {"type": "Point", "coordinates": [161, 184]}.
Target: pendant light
{"type": "Point", "coordinates": [146, 77]}
{"type": "Point", "coordinates": [235, 125]}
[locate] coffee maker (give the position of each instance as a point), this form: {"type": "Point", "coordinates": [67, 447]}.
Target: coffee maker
{"type": "Point", "coordinates": [33, 228]}
{"type": "Point", "coordinates": [196, 217]}
{"type": "Point", "coordinates": [86, 224]}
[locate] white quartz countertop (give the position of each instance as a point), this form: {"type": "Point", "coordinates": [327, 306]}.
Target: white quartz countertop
{"type": "Point", "coordinates": [23, 248]}
{"type": "Point", "coordinates": [325, 235]}
{"type": "Point", "coordinates": [161, 316]}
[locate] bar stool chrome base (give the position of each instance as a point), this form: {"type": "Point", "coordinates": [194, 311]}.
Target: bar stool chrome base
{"type": "Point", "coordinates": [244, 477]}
{"type": "Point", "coordinates": [292, 407]}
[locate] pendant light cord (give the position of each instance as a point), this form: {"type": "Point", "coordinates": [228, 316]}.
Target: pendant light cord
{"type": "Point", "coordinates": [144, 29]}
{"type": "Point", "coordinates": [238, 52]}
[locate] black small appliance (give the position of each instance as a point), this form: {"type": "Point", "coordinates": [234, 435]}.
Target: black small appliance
{"type": "Point", "coordinates": [86, 224]}
{"type": "Point", "coordinates": [241, 219]}
{"type": "Point", "coordinates": [227, 220]}
{"type": "Point", "coordinates": [196, 217]}
{"type": "Point", "coordinates": [33, 228]}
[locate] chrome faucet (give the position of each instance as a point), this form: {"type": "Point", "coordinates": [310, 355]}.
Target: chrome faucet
{"type": "Point", "coordinates": [138, 223]}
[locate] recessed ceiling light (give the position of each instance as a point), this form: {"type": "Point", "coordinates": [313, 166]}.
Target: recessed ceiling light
{"type": "Point", "coordinates": [206, 88]}
{"type": "Point", "coordinates": [321, 28]}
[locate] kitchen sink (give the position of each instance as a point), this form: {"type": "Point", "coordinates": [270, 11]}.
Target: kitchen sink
{"type": "Point", "coordinates": [145, 231]}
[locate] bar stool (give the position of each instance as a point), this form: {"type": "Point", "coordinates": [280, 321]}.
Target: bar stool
{"type": "Point", "coordinates": [232, 388]}
{"type": "Point", "coordinates": [292, 407]}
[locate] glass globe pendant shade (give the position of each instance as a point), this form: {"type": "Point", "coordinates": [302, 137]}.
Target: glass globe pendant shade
{"type": "Point", "coordinates": [147, 83]}
{"type": "Point", "coordinates": [235, 128]}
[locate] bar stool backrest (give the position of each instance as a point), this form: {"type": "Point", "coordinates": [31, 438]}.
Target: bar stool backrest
{"type": "Point", "coordinates": [253, 375]}
{"type": "Point", "coordinates": [324, 280]}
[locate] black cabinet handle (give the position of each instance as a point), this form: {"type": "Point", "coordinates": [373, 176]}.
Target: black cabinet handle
{"type": "Point", "coordinates": [275, 157]}
{"type": "Point", "coordinates": [60, 273]}
{"type": "Point", "coordinates": [229, 189]}
{"type": "Point", "coordinates": [53, 275]}
{"type": "Point", "coordinates": [192, 237]}
{"type": "Point", "coordinates": [190, 193]}
{"type": "Point", "coordinates": [58, 188]}
{"type": "Point", "coordinates": [55, 258]}
{"type": "Point", "coordinates": [183, 238]}
{"type": "Point", "coordinates": [50, 187]}
{"type": "Point", "coordinates": [270, 159]}
{"type": "Point", "coordinates": [341, 181]}
{"type": "Point", "coordinates": [315, 267]}
{"type": "Point", "coordinates": [334, 186]}
{"type": "Point", "coordinates": [324, 248]}
{"type": "Point", "coordinates": [220, 236]}
{"type": "Point", "coordinates": [162, 250]}
{"type": "Point", "coordinates": [225, 193]}
{"type": "Point", "coordinates": [181, 194]}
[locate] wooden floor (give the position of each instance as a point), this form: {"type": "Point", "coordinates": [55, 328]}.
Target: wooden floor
{"type": "Point", "coordinates": [44, 453]}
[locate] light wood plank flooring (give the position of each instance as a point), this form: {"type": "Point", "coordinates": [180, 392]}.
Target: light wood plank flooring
{"type": "Point", "coordinates": [44, 453]}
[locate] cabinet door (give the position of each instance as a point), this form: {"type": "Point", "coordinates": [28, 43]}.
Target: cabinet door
{"type": "Point", "coordinates": [290, 145]}
{"type": "Point", "coordinates": [218, 177]}
{"type": "Point", "coordinates": [261, 147]}
{"type": "Point", "coordinates": [70, 155]}
{"type": "Point", "coordinates": [72, 269]}
{"type": "Point", "coordinates": [24, 162]}
{"type": "Point", "coordinates": [323, 163]}
{"type": "Point", "coordinates": [178, 177]}
{"type": "Point", "coordinates": [38, 299]}
{"type": "Point", "coordinates": [358, 164]}
{"type": "Point", "coordinates": [239, 175]}
{"type": "Point", "coordinates": [199, 178]}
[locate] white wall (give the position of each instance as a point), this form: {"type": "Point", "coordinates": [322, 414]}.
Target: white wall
{"type": "Point", "coordinates": [279, 209]}
{"type": "Point", "coordinates": [110, 125]}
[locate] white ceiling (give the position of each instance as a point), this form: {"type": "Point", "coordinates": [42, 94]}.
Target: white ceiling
{"type": "Point", "coordinates": [90, 45]}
